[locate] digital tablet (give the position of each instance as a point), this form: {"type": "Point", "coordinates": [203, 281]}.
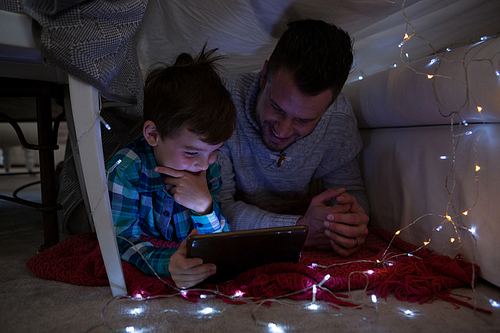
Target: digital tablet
{"type": "Point", "coordinates": [235, 252]}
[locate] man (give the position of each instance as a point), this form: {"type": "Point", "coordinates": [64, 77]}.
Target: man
{"type": "Point", "coordinates": [293, 126]}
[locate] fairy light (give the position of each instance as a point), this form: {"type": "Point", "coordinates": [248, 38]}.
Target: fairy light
{"type": "Point", "coordinates": [370, 272]}
{"type": "Point", "coordinates": [497, 73]}
{"type": "Point", "coordinates": [374, 299]}
{"type": "Point", "coordinates": [313, 306]}
{"type": "Point", "coordinates": [443, 157]}
{"type": "Point", "coordinates": [275, 328]}
{"type": "Point", "coordinates": [479, 109]}
{"type": "Point", "coordinates": [408, 313]}
{"type": "Point", "coordinates": [361, 77]}
{"type": "Point", "coordinates": [452, 240]}
{"type": "Point", "coordinates": [494, 303]}
{"type": "Point", "coordinates": [101, 119]}
{"type": "Point", "coordinates": [426, 243]}
{"type": "Point", "coordinates": [136, 311]}
{"type": "Point", "coordinates": [465, 122]}
{"type": "Point", "coordinates": [466, 213]}
{"type": "Point", "coordinates": [472, 230]}
{"type": "Point", "coordinates": [477, 168]}
{"type": "Point", "coordinates": [439, 228]}
{"type": "Point", "coordinates": [430, 76]}
{"type": "Point", "coordinates": [468, 133]}
{"type": "Point", "coordinates": [448, 217]}
{"type": "Point", "coordinates": [238, 293]}
{"type": "Point", "coordinates": [327, 276]}
{"type": "Point", "coordinates": [130, 329]}
{"type": "Point", "coordinates": [207, 310]}
{"type": "Point", "coordinates": [397, 232]}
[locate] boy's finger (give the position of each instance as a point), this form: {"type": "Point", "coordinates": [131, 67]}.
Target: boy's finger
{"type": "Point", "coordinates": [169, 171]}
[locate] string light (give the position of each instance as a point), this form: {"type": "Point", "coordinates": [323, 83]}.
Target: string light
{"type": "Point", "coordinates": [104, 123]}
{"type": "Point", "coordinates": [479, 109]}
{"type": "Point", "coordinates": [275, 328]}
{"type": "Point", "coordinates": [477, 168]}
{"type": "Point", "coordinates": [430, 76]}
{"type": "Point", "coordinates": [207, 310]}
{"type": "Point", "coordinates": [472, 230]}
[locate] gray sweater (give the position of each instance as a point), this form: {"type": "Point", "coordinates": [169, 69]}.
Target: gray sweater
{"type": "Point", "coordinates": [256, 193]}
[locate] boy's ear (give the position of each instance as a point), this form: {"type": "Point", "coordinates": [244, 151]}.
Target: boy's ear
{"type": "Point", "coordinates": [150, 133]}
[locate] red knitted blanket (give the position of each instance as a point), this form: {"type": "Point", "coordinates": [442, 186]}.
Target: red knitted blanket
{"type": "Point", "coordinates": [422, 277]}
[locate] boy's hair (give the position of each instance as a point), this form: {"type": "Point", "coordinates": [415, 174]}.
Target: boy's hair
{"type": "Point", "coordinates": [318, 54]}
{"type": "Point", "coordinates": [189, 94]}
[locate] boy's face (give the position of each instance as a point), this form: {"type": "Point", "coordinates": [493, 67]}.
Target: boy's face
{"type": "Point", "coordinates": [185, 152]}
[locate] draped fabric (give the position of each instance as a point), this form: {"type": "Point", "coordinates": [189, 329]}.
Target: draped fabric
{"type": "Point", "coordinates": [381, 266]}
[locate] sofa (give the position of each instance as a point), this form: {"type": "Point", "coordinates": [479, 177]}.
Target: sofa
{"type": "Point", "coordinates": [430, 161]}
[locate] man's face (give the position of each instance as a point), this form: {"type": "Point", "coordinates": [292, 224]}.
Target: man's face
{"type": "Point", "coordinates": [285, 114]}
{"type": "Point", "coordinates": [185, 152]}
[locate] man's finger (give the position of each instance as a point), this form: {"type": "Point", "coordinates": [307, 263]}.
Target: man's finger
{"type": "Point", "coordinates": [328, 195]}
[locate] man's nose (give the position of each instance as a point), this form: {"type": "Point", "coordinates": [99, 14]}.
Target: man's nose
{"type": "Point", "coordinates": [283, 128]}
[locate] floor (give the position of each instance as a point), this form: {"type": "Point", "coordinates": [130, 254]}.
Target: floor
{"type": "Point", "coordinates": [31, 304]}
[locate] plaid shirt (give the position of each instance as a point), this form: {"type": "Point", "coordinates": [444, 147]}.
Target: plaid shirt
{"type": "Point", "coordinates": [141, 206]}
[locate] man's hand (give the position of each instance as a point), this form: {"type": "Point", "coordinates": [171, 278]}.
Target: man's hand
{"type": "Point", "coordinates": [188, 189]}
{"type": "Point", "coordinates": [188, 272]}
{"type": "Point", "coordinates": [347, 231]}
{"type": "Point", "coordinates": [316, 215]}
{"type": "Point", "coordinates": [342, 227]}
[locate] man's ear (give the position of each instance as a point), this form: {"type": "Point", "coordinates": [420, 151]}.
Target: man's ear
{"type": "Point", "coordinates": [150, 133]}
{"type": "Point", "coordinates": [263, 75]}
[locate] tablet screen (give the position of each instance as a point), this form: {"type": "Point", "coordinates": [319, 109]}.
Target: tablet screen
{"type": "Point", "coordinates": [235, 252]}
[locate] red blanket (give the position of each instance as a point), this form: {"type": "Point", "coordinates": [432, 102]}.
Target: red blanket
{"type": "Point", "coordinates": [421, 277]}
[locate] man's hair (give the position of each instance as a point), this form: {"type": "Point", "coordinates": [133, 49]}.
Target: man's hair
{"type": "Point", "coordinates": [318, 55]}
{"type": "Point", "coordinates": [189, 93]}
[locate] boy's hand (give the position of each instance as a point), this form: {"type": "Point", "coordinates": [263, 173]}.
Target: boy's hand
{"type": "Point", "coordinates": [188, 189]}
{"type": "Point", "coordinates": [188, 272]}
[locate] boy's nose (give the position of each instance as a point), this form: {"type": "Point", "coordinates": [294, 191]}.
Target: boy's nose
{"type": "Point", "coordinates": [202, 164]}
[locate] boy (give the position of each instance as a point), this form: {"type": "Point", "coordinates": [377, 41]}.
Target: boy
{"type": "Point", "coordinates": [165, 184]}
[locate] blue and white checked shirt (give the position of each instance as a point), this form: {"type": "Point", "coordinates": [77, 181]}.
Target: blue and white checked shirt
{"type": "Point", "coordinates": [141, 206]}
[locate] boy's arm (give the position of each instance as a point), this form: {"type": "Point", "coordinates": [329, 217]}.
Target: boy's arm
{"type": "Point", "coordinates": [215, 221]}
{"type": "Point", "coordinates": [125, 210]}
